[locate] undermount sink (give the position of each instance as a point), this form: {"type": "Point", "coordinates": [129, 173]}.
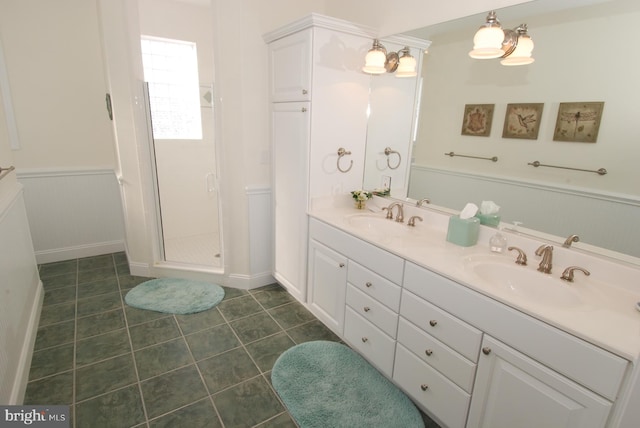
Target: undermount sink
{"type": "Point", "coordinates": [523, 283]}
{"type": "Point", "coordinates": [386, 230]}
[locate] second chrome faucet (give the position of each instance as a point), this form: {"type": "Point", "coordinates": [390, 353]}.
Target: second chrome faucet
{"type": "Point", "coordinates": [546, 252]}
{"type": "Point", "coordinates": [399, 216]}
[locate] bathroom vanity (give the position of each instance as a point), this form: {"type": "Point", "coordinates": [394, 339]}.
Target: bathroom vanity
{"type": "Point", "coordinates": [471, 349]}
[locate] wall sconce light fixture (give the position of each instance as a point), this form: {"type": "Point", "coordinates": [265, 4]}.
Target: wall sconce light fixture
{"type": "Point", "coordinates": [378, 61]}
{"type": "Point", "coordinates": [492, 41]}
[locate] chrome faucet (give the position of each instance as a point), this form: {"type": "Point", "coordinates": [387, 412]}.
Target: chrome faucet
{"type": "Point", "coordinates": [571, 239]}
{"type": "Point", "coordinates": [546, 251]}
{"type": "Point", "coordinates": [399, 216]}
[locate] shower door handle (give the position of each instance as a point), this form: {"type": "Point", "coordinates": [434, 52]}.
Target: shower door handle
{"type": "Point", "coordinates": [211, 182]}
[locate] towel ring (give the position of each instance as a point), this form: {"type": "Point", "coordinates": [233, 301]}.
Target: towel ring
{"type": "Point", "coordinates": [342, 152]}
{"type": "Point", "coordinates": [389, 152]}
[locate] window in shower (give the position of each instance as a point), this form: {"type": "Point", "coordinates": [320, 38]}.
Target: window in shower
{"type": "Point", "coordinates": [171, 69]}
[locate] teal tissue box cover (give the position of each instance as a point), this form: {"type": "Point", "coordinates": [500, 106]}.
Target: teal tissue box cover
{"type": "Point", "coordinates": [489, 219]}
{"type": "Point", "coordinates": [463, 232]}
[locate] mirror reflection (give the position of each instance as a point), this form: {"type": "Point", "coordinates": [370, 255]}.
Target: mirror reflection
{"type": "Point", "coordinates": [580, 57]}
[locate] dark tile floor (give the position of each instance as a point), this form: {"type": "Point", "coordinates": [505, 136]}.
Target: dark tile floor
{"type": "Point", "coordinates": [117, 366]}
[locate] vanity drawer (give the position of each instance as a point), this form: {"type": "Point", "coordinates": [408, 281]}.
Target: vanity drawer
{"type": "Point", "coordinates": [372, 310]}
{"type": "Point", "coordinates": [443, 326]}
{"type": "Point", "coordinates": [433, 392]}
{"type": "Point", "coordinates": [370, 341]}
{"type": "Point", "coordinates": [439, 356]}
{"type": "Point", "coordinates": [374, 285]}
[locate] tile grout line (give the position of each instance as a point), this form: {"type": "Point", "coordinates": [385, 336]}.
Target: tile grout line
{"type": "Point", "coordinates": [75, 345]}
{"type": "Point", "coordinates": [133, 355]}
{"type": "Point", "coordinates": [195, 363]}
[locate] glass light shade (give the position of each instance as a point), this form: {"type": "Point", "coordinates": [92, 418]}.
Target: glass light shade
{"type": "Point", "coordinates": [522, 54]}
{"type": "Point", "coordinates": [487, 42]}
{"type": "Point", "coordinates": [374, 61]}
{"type": "Point", "coordinates": [407, 67]}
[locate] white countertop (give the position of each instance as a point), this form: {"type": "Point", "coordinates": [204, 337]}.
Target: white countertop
{"type": "Point", "coordinates": [606, 315]}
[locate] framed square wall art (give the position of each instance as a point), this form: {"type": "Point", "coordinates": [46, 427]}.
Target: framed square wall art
{"type": "Point", "coordinates": [522, 121]}
{"type": "Point", "coordinates": [578, 122]}
{"type": "Point", "coordinates": [477, 119]}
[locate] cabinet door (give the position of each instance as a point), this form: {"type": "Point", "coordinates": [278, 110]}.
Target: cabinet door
{"type": "Point", "coordinates": [290, 65]}
{"type": "Point", "coordinates": [512, 390]}
{"type": "Point", "coordinates": [290, 140]}
{"type": "Point", "coordinates": [327, 285]}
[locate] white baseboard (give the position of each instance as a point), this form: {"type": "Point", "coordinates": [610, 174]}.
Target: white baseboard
{"type": "Point", "coordinates": [24, 365]}
{"type": "Point", "coordinates": [68, 253]}
{"type": "Point", "coordinates": [140, 269]}
{"type": "Point", "coordinates": [249, 282]}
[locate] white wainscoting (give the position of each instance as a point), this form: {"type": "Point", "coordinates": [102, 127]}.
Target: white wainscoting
{"type": "Point", "coordinates": [22, 296]}
{"type": "Point", "coordinates": [73, 213]}
{"type": "Point", "coordinates": [260, 241]}
{"type": "Point", "coordinates": [604, 220]}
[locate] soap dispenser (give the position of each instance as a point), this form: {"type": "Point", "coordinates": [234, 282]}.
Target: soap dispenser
{"type": "Point", "coordinates": [498, 242]}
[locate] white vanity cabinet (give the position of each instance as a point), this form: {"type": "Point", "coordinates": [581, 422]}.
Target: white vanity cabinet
{"type": "Point", "coordinates": [327, 285]}
{"type": "Point", "coordinates": [529, 373]}
{"type": "Point", "coordinates": [512, 390]}
{"type": "Point", "coordinates": [359, 303]}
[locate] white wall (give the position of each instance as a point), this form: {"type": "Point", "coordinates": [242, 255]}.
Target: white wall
{"type": "Point", "coordinates": [589, 68]}
{"type": "Point", "coordinates": [57, 81]}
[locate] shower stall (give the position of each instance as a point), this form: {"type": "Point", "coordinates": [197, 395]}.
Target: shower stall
{"type": "Point", "coordinates": [177, 46]}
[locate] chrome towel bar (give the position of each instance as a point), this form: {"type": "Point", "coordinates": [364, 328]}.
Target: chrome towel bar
{"type": "Point", "coordinates": [600, 171]}
{"type": "Point", "coordinates": [5, 171]}
{"type": "Point", "coordinates": [492, 159]}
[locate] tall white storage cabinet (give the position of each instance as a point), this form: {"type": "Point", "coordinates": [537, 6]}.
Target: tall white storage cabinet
{"type": "Point", "coordinates": [319, 98]}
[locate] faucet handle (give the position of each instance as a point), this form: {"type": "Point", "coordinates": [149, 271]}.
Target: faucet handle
{"type": "Point", "coordinates": [567, 275]}
{"type": "Point", "coordinates": [412, 220]}
{"type": "Point", "coordinates": [522, 257]}
{"type": "Point", "coordinates": [423, 201]}
{"type": "Point", "coordinates": [389, 215]}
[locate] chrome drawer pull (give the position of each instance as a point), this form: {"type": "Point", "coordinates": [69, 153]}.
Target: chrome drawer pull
{"type": "Point", "coordinates": [364, 339]}
{"type": "Point", "coordinates": [424, 387]}
{"type": "Point", "coordinates": [486, 350]}
{"type": "Point", "coordinates": [367, 309]}
{"type": "Point", "coordinates": [341, 265]}
{"type": "Point", "coordinates": [433, 323]}
{"type": "Point", "coordinates": [368, 284]}
{"type": "Point", "coordinates": [428, 352]}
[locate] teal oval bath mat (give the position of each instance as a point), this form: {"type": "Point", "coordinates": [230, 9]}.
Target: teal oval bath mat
{"type": "Point", "coordinates": [175, 296]}
{"type": "Point", "coordinates": [326, 384]}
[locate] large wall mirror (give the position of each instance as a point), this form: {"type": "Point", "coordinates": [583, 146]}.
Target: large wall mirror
{"type": "Point", "coordinates": [582, 54]}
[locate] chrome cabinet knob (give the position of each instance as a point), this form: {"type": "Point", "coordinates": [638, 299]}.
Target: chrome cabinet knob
{"type": "Point", "coordinates": [364, 340]}
{"type": "Point", "coordinates": [433, 323]}
{"type": "Point", "coordinates": [303, 109]}
{"type": "Point", "coordinates": [305, 92]}
{"type": "Point", "coordinates": [367, 309]}
{"type": "Point", "coordinates": [486, 350]}
{"type": "Point", "coordinates": [428, 352]}
{"type": "Point", "coordinates": [368, 284]}
{"type": "Point", "coordinates": [341, 265]}
{"type": "Point", "coordinates": [424, 387]}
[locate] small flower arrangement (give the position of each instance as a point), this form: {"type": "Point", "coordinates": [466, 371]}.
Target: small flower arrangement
{"type": "Point", "coordinates": [360, 197]}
